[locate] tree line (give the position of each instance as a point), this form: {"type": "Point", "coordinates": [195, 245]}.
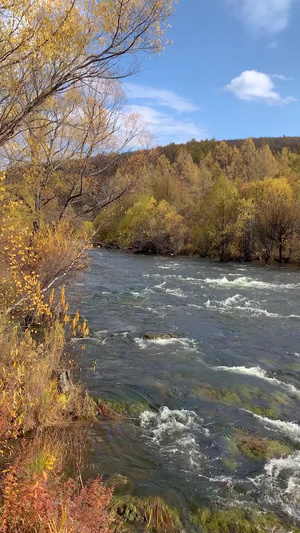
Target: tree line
{"type": "Point", "coordinates": [235, 203]}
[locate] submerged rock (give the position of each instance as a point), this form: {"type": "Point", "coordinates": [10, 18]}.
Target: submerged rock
{"type": "Point", "coordinates": [250, 398]}
{"type": "Point", "coordinates": [157, 336]}
{"type": "Point", "coordinates": [111, 408]}
{"type": "Point", "coordinates": [258, 448]}
{"type": "Point", "coordinates": [239, 521]}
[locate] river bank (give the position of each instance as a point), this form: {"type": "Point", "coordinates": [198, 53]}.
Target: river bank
{"type": "Point", "coordinates": [255, 260]}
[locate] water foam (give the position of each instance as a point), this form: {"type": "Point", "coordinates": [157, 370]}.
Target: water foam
{"type": "Point", "coordinates": [289, 429]}
{"type": "Point", "coordinates": [174, 431]}
{"type": "Point", "coordinates": [176, 292]}
{"type": "Point", "coordinates": [187, 344]}
{"type": "Point", "coordinates": [243, 282]}
{"type": "Point", "coordinates": [141, 294]}
{"type": "Point", "coordinates": [279, 485]}
{"type": "Point", "coordinates": [240, 303]}
{"type": "Point", "coordinates": [171, 266]}
{"type": "Point", "coordinates": [247, 283]}
{"type": "Point", "coordinates": [160, 286]}
{"type": "Point", "coordinates": [258, 372]}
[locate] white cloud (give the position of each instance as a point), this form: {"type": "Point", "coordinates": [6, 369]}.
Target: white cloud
{"type": "Point", "coordinates": [272, 45]}
{"type": "Point", "coordinates": [257, 86]}
{"type": "Point", "coordinates": [160, 97]}
{"type": "Point", "coordinates": [165, 127]}
{"type": "Point", "coordinates": [271, 16]}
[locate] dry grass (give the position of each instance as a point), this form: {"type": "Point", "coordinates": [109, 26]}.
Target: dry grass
{"type": "Point", "coordinates": [148, 514]}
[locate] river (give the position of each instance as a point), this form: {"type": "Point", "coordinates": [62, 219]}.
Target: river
{"type": "Point", "coordinates": [232, 370]}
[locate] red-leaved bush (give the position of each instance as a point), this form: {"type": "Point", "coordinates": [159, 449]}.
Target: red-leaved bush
{"type": "Point", "coordinates": [46, 504]}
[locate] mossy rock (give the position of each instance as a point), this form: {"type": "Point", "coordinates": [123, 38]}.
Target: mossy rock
{"type": "Point", "coordinates": [230, 463]}
{"type": "Point", "coordinates": [245, 397]}
{"type": "Point", "coordinates": [223, 395]}
{"type": "Point", "coordinates": [261, 449]}
{"type": "Point", "coordinates": [238, 521]}
{"type": "Point", "coordinates": [231, 446]}
{"type": "Point", "coordinates": [112, 409]}
{"type": "Point", "coordinates": [145, 515]}
{"type": "Point", "coordinates": [130, 409]}
{"type": "Point", "coordinates": [265, 412]}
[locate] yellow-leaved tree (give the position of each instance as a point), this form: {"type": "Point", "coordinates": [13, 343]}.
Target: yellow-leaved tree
{"type": "Point", "coordinates": [276, 215]}
{"type": "Point", "coordinates": [151, 226]}
{"type": "Point", "coordinates": [48, 46]}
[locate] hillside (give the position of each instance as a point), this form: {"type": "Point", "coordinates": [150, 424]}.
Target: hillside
{"type": "Point", "coordinates": [199, 149]}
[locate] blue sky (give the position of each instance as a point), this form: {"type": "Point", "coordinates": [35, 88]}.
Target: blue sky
{"type": "Point", "coordinates": [233, 71]}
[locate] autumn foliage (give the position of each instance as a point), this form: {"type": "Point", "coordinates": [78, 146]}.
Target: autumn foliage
{"type": "Point", "coordinates": [61, 106]}
{"type": "Point", "coordinates": [37, 498]}
{"type": "Point", "coordinates": [218, 201]}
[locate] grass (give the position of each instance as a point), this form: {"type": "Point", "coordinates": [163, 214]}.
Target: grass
{"type": "Point", "coordinates": [150, 514]}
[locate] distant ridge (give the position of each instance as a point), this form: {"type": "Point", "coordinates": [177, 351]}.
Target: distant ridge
{"type": "Point", "coordinates": [275, 143]}
{"type": "Point", "coordinates": [199, 149]}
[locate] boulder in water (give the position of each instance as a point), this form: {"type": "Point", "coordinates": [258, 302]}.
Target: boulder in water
{"type": "Point", "coordinates": [157, 336]}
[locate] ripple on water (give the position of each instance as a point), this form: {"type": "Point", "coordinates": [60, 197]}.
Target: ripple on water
{"type": "Point", "coordinates": [259, 373]}
{"type": "Point", "coordinates": [289, 429]}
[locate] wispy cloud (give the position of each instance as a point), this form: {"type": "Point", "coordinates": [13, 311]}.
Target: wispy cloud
{"type": "Point", "coordinates": [281, 77]}
{"type": "Point", "coordinates": [165, 127]}
{"type": "Point", "coordinates": [263, 16]}
{"type": "Point", "coordinates": [160, 97]}
{"type": "Point", "coordinates": [168, 116]}
{"type": "Point", "coordinates": [256, 86]}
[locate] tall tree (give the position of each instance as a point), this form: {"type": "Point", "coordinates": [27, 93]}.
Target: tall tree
{"type": "Point", "coordinates": [266, 164]}
{"type": "Point", "coordinates": [48, 46]}
{"type": "Point", "coordinates": [221, 215]}
{"type": "Point", "coordinates": [276, 216]}
{"type": "Point", "coordinates": [249, 156]}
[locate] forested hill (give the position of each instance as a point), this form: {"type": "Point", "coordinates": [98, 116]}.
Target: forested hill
{"type": "Point", "coordinates": [199, 149]}
{"type": "Point", "coordinates": [275, 143]}
{"type": "Point", "coordinates": [214, 199]}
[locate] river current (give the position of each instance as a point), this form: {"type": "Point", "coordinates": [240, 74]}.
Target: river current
{"type": "Point", "coordinates": [231, 370]}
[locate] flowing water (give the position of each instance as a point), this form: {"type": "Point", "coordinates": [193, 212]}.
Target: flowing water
{"type": "Point", "coordinates": [231, 370]}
